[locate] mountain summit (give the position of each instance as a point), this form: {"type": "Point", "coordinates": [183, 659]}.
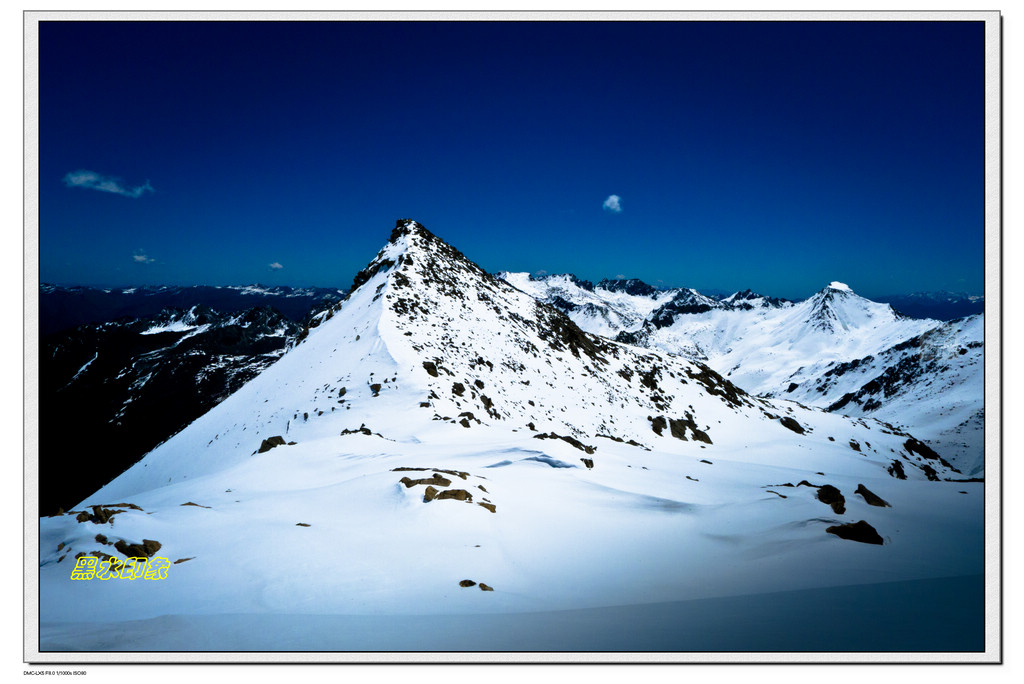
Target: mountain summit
{"type": "Point", "coordinates": [838, 308]}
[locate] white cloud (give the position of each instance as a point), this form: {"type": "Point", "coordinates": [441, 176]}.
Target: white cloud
{"type": "Point", "coordinates": [613, 204]}
{"type": "Point", "coordinates": [95, 181]}
{"type": "Point", "coordinates": [139, 257]}
{"type": "Point", "coordinates": [620, 277]}
{"type": "Point", "coordinates": [276, 266]}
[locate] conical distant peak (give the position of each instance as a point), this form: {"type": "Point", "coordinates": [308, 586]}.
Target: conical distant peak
{"type": "Point", "coordinates": [834, 292]}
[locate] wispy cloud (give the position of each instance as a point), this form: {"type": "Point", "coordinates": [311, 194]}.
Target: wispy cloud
{"type": "Point", "coordinates": [96, 181]}
{"type": "Point", "coordinates": [613, 204]}
{"type": "Point", "coordinates": [276, 266]}
{"type": "Point", "coordinates": [139, 257]}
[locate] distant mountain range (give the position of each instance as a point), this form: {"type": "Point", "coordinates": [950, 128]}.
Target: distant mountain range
{"type": "Point", "coordinates": [943, 306]}
{"type": "Point", "coordinates": [61, 307]}
{"type": "Point", "coordinates": [774, 347]}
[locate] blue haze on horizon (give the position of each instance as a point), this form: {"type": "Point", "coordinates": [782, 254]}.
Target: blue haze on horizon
{"type": "Point", "coordinates": [774, 156]}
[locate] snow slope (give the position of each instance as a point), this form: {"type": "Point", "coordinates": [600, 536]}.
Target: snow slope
{"type": "Point", "coordinates": [930, 384]}
{"type": "Point", "coordinates": [441, 425]}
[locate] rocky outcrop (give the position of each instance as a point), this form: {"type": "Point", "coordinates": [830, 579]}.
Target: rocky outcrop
{"type": "Point", "coordinates": [146, 549]}
{"type": "Point", "coordinates": [859, 531]}
{"type": "Point", "coordinates": [568, 440]}
{"type": "Point", "coordinates": [790, 423]}
{"type": "Point", "coordinates": [872, 498]}
{"type": "Point", "coordinates": [827, 494]}
{"type": "Point", "coordinates": [270, 443]}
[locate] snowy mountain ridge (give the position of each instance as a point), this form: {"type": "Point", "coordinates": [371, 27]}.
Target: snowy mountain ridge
{"type": "Point", "coordinates": [777, 348]}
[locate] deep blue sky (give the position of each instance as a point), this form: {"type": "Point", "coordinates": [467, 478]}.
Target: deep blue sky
{"type": "Point", "coordinates": [776, 156]}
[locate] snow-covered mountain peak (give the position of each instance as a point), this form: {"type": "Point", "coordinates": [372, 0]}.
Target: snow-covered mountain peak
{"type": "Point", "coordinates": [835, 289]}
{"type": "Point", "coordinates": [410, 247]}
{"type": "Point", "coordinates": [427, 341]}
{"type": "Point", "coordinates": [407, 236]}
{"type": "Point", "coordinates": [837, 308]}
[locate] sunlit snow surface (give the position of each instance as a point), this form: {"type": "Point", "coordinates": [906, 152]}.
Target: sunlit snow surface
{"type": "Point", "coordinates": [323, 531]}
